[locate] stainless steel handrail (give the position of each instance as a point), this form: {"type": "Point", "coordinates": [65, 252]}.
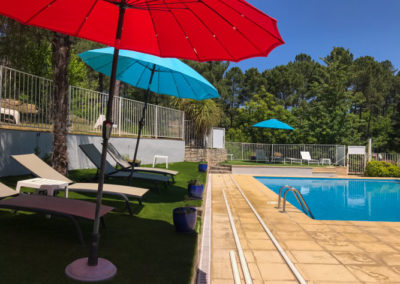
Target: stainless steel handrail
{"type": "Point", "coordinates": [279, 194]}
{"type": "Point", "coordinates": [299, 197]}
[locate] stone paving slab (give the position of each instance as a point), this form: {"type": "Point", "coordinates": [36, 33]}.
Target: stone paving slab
{"type": "Point", "coordinates": [264, 261]}
{"type": "Point", "coordinates": [323, 251]}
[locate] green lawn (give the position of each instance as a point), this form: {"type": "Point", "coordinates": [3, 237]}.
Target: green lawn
{"type": "Point", "coordinates": [254, 163]}
{"type": "Point", "coordinates": [145, 248]}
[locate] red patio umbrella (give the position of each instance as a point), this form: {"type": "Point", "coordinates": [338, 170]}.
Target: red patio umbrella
{"type": "Point", "coordinates": [202, 30]}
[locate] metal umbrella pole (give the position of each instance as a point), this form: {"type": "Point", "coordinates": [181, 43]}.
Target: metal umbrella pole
{"type": "Point", "coordinates": [93, 270]}
{"type": "Point", "coordinates": [141, 122]}
{"type": "Point", "coordinates": [107, 128]}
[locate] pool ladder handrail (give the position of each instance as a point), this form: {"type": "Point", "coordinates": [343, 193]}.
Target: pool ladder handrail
{"type": "Point", "coordinates": [297, 194]}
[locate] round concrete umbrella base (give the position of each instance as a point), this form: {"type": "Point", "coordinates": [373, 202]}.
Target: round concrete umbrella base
{"type": "Point", "coordinates": [81, 271]}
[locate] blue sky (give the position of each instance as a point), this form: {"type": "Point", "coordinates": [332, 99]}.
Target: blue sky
{"type": "Point", "coordinates": [366, 27]}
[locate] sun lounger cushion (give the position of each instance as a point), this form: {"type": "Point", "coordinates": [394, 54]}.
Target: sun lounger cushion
{"type": "Point", "coordinates": [70, 208]}
{"type": "Point", "coordinates": [39, 168]}
{"type": "Point", "coordinates": [6, 191]}
{"type": "Point", "coordinates": [135, 192]}
{"type": "Point", "coordinates": [56, 205]}
{"type": "Point", "coordinates": [34, 164]}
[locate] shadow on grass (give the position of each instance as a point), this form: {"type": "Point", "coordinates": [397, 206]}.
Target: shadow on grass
{"type": "Point", "coordinates": [36, 250]}
{"type": "Point", "coordinates": [145, 248]}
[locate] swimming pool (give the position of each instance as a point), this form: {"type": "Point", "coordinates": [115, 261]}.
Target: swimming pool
{"type": "Point", "coordinates": [344, 199]}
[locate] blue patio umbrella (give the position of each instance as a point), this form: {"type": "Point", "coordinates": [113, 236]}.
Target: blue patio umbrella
{"type": "Point", "coordinates": [274, 124]}
{"type": "Point", "coordinates": [167, 76]}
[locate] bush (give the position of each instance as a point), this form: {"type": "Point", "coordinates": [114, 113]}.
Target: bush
{"type": "Point", "coordinates": [381, 169]}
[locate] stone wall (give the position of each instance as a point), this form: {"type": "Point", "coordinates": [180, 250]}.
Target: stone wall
{"type": "Point", "coordinates": [212, 156]}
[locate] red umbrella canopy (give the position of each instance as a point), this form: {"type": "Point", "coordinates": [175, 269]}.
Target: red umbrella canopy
{"type": "Point", "coordinates": [202, 30]}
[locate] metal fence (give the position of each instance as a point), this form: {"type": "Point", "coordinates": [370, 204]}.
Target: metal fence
{"type": "Point", "coordinates": [192, 138]}
{"type": "Point", "coordinates": [393, 158]}
{"type": "Point", "coordinates": [26, 101]}
{"type": "Point", "coordinates": [335, 154]}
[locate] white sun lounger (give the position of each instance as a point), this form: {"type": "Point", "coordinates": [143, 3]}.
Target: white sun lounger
{"type": "Point", "coordinates": [39, 168]}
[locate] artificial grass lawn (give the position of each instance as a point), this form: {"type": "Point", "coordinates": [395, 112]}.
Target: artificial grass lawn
{"type": "Point", "coordinates": [253, 163]}
{"type": "Point", "coordinates": [145, 248]}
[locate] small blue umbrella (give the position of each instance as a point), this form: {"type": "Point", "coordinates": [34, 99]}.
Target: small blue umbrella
{"type": "Point", "coordinates": [167, 76]}
{"type": "Point", "coordinates": [274, 124]}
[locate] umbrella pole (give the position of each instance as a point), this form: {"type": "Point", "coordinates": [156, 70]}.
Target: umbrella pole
{"type": "Point", "coordinates": [141, 122]}
{"type": "Point", "coordinates": [93, 268]}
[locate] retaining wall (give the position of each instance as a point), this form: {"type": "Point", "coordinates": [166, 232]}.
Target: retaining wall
{"type": "Point", "coordinates": [212, 156]}
{"type": "Point", "coordinates": [23, 142]}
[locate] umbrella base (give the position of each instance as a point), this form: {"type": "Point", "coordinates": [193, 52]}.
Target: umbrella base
{"type": "Point", "coordinates": [81, 271]}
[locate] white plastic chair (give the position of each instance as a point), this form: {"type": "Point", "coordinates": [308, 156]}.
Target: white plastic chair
{"type": "Point", "coordinates": [305, 155]}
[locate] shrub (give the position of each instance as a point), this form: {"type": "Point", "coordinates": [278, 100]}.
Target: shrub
{"type": "Point", "coordinates": [381, 169]}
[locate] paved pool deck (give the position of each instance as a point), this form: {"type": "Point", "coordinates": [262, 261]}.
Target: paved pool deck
{"type": "Point", "coordinates": [322, 251]}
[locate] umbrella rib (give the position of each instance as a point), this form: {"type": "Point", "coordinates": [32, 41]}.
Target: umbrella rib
{"type": "Point", "coordinates": [183, 31]}
{"type": "Point", "coordinates": [209, 29]}
{"type": "Point", "coordinates": [39, 11]}
{"type": "Point", "coordinates": [129, 66]}
{"type": "Point", "coordinates": [158, 82]}
{"type": "Point", "coordinates": [233, 26]}
{"type": "Point", "coordinates": [86, 17]}
{"type": "Point", "coordinates": [255, 9]}
{"type": "Point", "coordinates": [140, 77]}
{"type": "Point", "coordinates": [154, 27]}
{"type": "Point", "coordinates": [176, 86]}
{"type": "Point", "coordinates": [190, 86]}
{"type": "Point", "coordinates": [157, 6]}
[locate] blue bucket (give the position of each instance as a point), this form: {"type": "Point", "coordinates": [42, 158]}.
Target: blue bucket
{"type": "Point", "coordinates": [184, 219]}
{"type": "Point", "coordinates": [196, 191]}
{"type": "Point", "coordinates": [203, 167]}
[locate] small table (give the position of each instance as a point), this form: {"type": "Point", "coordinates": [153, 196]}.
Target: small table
{"type": "Point", "coordinates": [326, 161]}
{"type": "Point", "coordinates": [160, 157]}
{"type": "Point", "coordinates": [43, 184]}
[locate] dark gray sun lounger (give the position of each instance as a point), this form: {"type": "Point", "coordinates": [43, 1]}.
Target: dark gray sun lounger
{"type": "Point", "coordinates": [40, 169]}
{"type": "Point", "coordinates": [69, 208]}
{"type": "Point", "coordinates": [126, 166]}
{"type": "Point", "coordinates": [95, 157]}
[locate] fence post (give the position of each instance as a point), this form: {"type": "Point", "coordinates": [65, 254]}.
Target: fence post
{"type": "Point", "coordinates": [69, 108]}
{"type": "Point", "coordinates": [1, 83]}
{"type": "Point", "coordinates": [183, 125]}
{"type": "Point", "coordinates": [156, 122]}
{"type": "Point", "coordinates": [369, 149]}
{"type": "Point", "coordinates": [119, 116]}
{"type": "Point", "coordinates": [242, 150]}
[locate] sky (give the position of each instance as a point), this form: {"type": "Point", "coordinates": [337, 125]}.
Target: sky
{"type": "Point", "coordinates": [314, 27]}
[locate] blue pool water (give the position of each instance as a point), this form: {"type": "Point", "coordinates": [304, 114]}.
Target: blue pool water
{"type": "Point", "coordinates": [344, 199]}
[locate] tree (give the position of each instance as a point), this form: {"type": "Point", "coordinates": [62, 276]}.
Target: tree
{"type": "Point", "coordinates": [61, 46]}
{"type": "Point", "coordinates": [25, 48]}
{"type": "Point", "coordinates": [261, 107]}
{"type": "Point", "coordinates": [205, 114]}
{"type": "Point", "coordinates": [252, 83]}
{"type": "Point", "coordinates": [230, 99]}
{"type": "Point", "coordinates": [373, 85]}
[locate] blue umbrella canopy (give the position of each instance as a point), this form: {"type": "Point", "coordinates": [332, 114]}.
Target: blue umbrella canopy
{"type": "Point", "coordinates": [168, 76]}
{"type": "Point", "coordinates": [273, 123]}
